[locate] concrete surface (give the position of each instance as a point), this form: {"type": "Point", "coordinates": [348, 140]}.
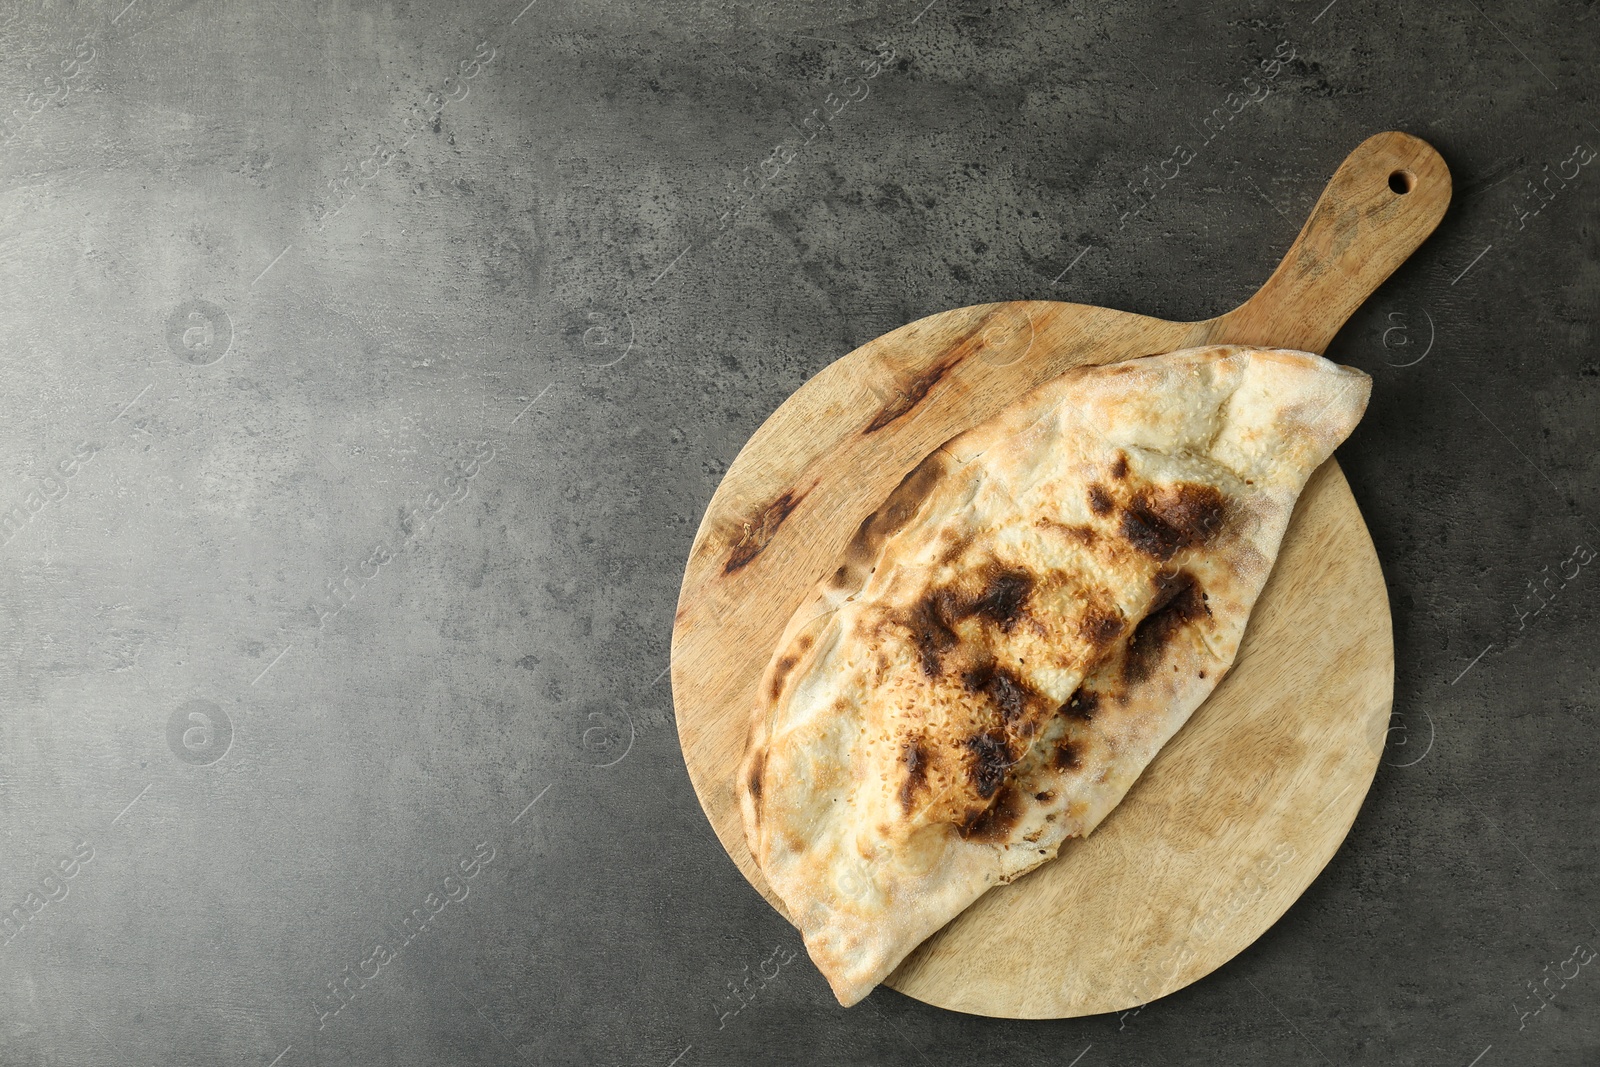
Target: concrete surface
{"type": "Point", "coordinates": [356, 423]}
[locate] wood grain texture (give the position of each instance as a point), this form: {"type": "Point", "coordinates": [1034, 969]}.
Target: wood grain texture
{"type": "Point", "coordinates": [1250, 800]}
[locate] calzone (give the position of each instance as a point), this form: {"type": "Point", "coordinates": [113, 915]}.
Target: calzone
{"type": "Point", "coordinates": [1015, 632]}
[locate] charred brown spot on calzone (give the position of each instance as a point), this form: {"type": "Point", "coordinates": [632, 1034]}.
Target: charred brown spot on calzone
{"type": "Point", "coordinates": [916, 760]}
{"type": "Point", "coordinates": [990, 758]}
{"type": "Point", "coordinates": [1009, 693]}
{"type": "Point", "coordinates": [780, 674]}
{"type": "Point", "coordinates": [1082, 704]}
{"type": "Point", "coordinates": [1003, 598]}
{"type": "Point", "coordinates": [995, 822]}
{"type": "Point", "coordinates": [1101, 625]}
{"type": "Point", "coordinates": [757, 764]}
{"type": "Point", "coordinates": [1179, 600]}
{"type": "Point", "coordinates": [932, 619]}
{"type": "Point", "coordinates": [892, 515]}
{"type": "Point", "coordinates": [1084, 535]}
{"type": "Point", "coordinates": [931, 634]}
{"type": "Point", "coordinates": [1099, 500]}
{"type": "Point", "coordinates": [1160, 522]}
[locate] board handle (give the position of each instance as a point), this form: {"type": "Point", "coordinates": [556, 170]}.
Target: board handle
{"type": "Point", "coordinates": [1381, 204]}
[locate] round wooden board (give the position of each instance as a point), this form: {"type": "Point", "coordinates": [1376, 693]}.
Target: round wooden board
{"type": "Point", "coordinates": [1242, 809]}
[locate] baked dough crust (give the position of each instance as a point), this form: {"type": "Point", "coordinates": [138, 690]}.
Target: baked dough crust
{"type": "Point", "coordinates": [1016, 631]}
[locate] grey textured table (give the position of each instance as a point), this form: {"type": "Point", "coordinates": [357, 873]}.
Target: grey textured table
{"type": "Point", "coordinates": [368, 368]}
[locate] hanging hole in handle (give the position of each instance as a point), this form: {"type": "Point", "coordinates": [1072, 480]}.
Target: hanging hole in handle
{"type": "Point", "coordinates": [1401, 182]}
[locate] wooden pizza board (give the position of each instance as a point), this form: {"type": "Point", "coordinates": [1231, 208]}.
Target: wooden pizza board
{"type": "Point", "coordinates": [1243, 808]}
